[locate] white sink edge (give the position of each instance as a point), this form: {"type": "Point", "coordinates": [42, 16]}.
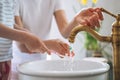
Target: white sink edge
{"type": "Point", "coordinates": [65, 73]}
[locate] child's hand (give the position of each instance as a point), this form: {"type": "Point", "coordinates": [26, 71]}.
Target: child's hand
{"type": "Point", "coordinates": [34, 44]}
{"type": "Point", "coordinates": [60, 47]}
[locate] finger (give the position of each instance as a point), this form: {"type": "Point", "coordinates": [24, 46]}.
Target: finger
{"type": "Point", "coordinates": [99, 12]}
{"type": "Point", "coordinates": [93, 21]}
{"type": "Point", "coordinates": [96, 21]}
{"type": "Point", "coordinates": [63, 47]}
{"type": "Point", "coordinates": [60, 49]}
{"type": "Point", "coordinates": [87, 22]}
{"type": "Point", "coordinates": [91, 9]}
{"type": "Point", "coordinates": [47, 50]}
{"type": "Point", "coordinates": [83, 22]}
{"type": "Point", "coordinates": [72, 54]}
{"type": "Point", "coordinates": [30, 52]}
{"type": "Point", "coordinates": [44, 49]}
{"type": "Point", "coordinates": [61, 56]}
{"type": "Point", "coordinates": [90, 23]}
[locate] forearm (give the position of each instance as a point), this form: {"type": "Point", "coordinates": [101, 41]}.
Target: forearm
{"type": "Point", "coordinates": [12, 34]}
{"type": "Point", "coordinates": [68, 28]}
{"type": "Point", "coordinates": [64, 26]}
{"type": "Point", "coordinates": [19, 24]}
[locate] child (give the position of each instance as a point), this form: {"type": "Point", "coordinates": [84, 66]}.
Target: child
{"type": "Point", "coordinates": [7, 34]}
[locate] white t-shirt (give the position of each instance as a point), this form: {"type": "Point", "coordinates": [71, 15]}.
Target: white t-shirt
{"type": "Point", "coordinates": [37, 15]}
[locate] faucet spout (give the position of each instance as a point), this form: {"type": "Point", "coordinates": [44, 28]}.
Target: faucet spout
{"type": "Point", "coordinates": [93, 33]}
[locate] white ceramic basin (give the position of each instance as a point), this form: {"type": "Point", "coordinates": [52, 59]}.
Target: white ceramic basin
{"type": "Point", "coordinates": [63, 70]}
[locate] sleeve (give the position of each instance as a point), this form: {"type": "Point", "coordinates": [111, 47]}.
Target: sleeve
{"type": "Point", "coordinates": [59, 5]}
{"type": "Point", "coordinates": [17, 7]}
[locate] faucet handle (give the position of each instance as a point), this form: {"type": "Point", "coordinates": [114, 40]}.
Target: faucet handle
{"type": "Point", "coordinates": [118, 18]}
{"type": "Point", "coordinates": [106, 11]}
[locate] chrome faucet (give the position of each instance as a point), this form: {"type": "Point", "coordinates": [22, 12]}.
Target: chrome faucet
{"type": "Point", "coordinates": [114, 39]}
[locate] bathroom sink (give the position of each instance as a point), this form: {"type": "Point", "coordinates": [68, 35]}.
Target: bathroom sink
{"type": "Point", "coordinates": [63, 70]}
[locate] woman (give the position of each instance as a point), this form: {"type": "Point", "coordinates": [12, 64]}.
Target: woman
{"type": "Point", "coordinates": [36, 16]}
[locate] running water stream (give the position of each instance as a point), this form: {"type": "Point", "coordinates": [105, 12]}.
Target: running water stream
{"type": "Point", "coordinates": [70, 60]}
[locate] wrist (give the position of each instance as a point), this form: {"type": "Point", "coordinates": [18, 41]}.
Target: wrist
{"type": "Point", "coordinates": [23, 37]}
{"type": "Point", "coordinates": [76, 21]}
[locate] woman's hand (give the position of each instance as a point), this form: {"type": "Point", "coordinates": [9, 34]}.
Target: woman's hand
{"type": "Point", "coordinates": [90, 17]}
{"type": "Point", "coordinates": [60, 47]}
